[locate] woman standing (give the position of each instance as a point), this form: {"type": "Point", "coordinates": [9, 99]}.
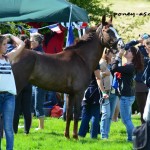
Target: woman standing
{"type": "Point", "coordinates": [109, 104]}
{"type": "Point", "coordinates": [39, 94]}
{"type": "Point", "coordinates": [141, 89]}
{"type": "Point", "coordinates": [23, 99]}
{"type": "Point", "coordinates": [7, 86]}
{"type": "Point", "coordinates": [134, 64]}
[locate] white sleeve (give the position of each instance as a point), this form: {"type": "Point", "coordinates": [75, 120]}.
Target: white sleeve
{"type": "Point", "coordinates": [146, 115]}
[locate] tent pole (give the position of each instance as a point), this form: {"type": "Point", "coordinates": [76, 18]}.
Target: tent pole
{"type": "Point", "coordinates": [70, 15]}
{"type": "Point", "coordinates": [69, 22]}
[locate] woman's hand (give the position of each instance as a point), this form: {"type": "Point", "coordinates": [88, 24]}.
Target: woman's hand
{"type": "Point", "coordinates": [105, 95]}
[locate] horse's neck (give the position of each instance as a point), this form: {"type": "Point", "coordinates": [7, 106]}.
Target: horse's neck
{"type": "Point", "coordinates": [91, 53]}
{"type": "Point", "coordinates": [25, 66]}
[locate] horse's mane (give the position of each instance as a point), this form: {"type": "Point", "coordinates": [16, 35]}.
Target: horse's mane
{"type": "Point", "coordinates": [88, 36]}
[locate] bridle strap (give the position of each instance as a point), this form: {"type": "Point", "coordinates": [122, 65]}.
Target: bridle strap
{"type": "Point", "coordinates": [110, 46]}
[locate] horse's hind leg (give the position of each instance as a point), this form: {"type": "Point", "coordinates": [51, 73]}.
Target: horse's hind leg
{"type": "Point", "coordinates": [69, 107]}
{"type": "Point", "coordinates": [77, 113]}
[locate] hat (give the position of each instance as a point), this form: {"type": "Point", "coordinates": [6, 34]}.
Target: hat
{"type": "Point", "coordinates": [145, 36]}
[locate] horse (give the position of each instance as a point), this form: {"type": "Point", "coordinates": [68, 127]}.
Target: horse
{"type": "Point", "coordinates": [68, 71]}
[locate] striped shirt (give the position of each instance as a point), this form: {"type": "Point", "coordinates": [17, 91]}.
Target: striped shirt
{"type": "Point", "coordinates": [7, 81]}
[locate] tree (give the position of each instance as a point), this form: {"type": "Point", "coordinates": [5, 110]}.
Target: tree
{"type": "Point", "coordinates": [95, 8]}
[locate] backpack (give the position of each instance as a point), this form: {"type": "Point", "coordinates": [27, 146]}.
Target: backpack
{"type": "Point", "coordinates": [56, 111]}
{"type": "Point", "coordinates": [141, 137]}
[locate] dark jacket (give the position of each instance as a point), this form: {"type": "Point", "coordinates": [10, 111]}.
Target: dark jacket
{"type": "Point", "coordinates": [146, 75]}
{"type": "Point", "coordinates": [92, 93]}
{"type": "Point", "coordinates": [127, 75]}
{"type": "Point", "coordinates": [39, 49]}
{"type": "Point", "coordinates": [138, 76]}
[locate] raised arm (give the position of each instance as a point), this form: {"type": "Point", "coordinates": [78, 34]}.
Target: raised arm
{"type": "Point", "coordinates": [17, 50]}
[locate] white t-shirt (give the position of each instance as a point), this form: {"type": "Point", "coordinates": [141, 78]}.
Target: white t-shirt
{"type": "Point", "coordinates": [7, 81]}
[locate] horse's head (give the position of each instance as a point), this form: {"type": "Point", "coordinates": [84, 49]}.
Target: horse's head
{"type": "Point", "coordinates": [108, 35]}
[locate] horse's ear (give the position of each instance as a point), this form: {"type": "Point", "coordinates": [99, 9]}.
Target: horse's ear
{"type": "Point", "coordinates": [110, 20]}
{"type": "Point", "coordinates": [103, 19]}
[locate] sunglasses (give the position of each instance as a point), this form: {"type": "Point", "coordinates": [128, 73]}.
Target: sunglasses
{"type": "Point", "coordinates": [145, 36]}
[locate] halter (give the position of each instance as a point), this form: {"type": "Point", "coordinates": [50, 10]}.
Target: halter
{"type": "Point", "coordinates": [110, 45]}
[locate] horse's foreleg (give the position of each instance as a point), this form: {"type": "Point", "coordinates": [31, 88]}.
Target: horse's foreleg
{"type": "Point", "coordinates": [69, 106]}
{"type": "Point", "coordinates": [77, 113]}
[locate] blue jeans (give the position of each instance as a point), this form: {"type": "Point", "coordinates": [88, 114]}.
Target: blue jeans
{"type": "Point", "coordinates": [90, 112]}
{"type": "Point", "coordinates": [108, 108]}
{"type": "Point", "coordinates": [7, 107]}
{"type": "Point", "coordinates": [125, 112]}
{"type": "Point", "coordinates": [51, 97]}
{"type": "Point", "coordinates": [39, 95]}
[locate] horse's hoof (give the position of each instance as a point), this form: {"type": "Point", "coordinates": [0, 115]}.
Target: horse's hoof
{"type": "Point", "coordinates": [67, 135]}
{"type": "Point", "coordinates": [75, 136]}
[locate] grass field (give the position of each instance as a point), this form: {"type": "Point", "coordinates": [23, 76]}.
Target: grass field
{"type": "Point", "coordinates": [52, 138]}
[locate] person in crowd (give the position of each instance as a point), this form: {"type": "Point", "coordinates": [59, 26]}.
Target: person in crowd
{"type": "Point", "coordinates": [7, 85]}
{"type": "Point", "coordinates": [141, 89]}
{"type": "Point", "coordinates": [23, 100]}
{"type": "Point", "coordinates": [91, 106]}
{"type": "Point", "coordinates": [108, 107]}
{"type": "Point", "coordinates": [134, 63]}
{"type": "Point", "coordinates": [146, 75]}
{"type": "Point", "coordinates": [10, 45]}
{"type": "Point", "coordinates": [51, 98]}
{"type": "Point", "coordinates": [39, 93]}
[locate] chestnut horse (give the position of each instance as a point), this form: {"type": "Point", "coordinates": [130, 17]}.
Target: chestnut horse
{"type": "Point", "coordinates": [68, 71]}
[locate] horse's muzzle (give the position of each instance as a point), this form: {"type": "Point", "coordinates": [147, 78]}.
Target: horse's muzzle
{"type": "Point", "coordinates": [120, 44]}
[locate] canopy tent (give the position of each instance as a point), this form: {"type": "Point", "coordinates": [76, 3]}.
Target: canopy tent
{"type": "Point", "coordinates": [40, 11]}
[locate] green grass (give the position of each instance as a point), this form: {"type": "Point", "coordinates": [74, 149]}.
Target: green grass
{"type": "Point", "coordinates": [52, 137]}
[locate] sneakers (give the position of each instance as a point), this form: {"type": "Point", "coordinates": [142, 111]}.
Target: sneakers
{"type": "Point", "coordinates": [104, 138]}
{"type": "Point", "coordinates": [20, 126]}
{"type": "Point", "coordinates": [36, 129]}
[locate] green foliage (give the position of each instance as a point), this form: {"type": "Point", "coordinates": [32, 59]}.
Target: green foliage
{"type": "Point", "coordinates": [11, 27]}
{"type": "Point", "coordinates": [95, 8]}
{"type": "Point", "coordinates": [129, 27]}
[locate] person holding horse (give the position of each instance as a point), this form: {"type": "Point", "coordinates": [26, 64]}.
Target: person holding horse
{"type": "Point", "coordinates": [133, 65]}
{"type": "Point", "coordinates": [8, 86]}
{"type": "Point", "coordinates": [39, 93]}
{"type": "Point", "coordinates": [91, 105]}
{"type": "Point", "coordinates": [141, 89]}
{"type": "Point", "coordinates": [108, 106]}
{"type": "Point", "coordinates": [23, 99]}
